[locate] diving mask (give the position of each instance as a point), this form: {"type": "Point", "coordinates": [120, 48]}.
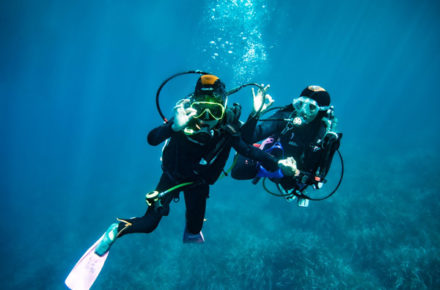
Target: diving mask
{"type": "Point", "coordinates": [207, 116]}
{"type": "Point", "coordinates": [307, 109]}
{"type": "Point", "coordinates": [207, 110]}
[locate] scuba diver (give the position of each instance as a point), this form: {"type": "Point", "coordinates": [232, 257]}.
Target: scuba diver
{"type": "Point", "coordinates": [304, 130]}
{"type": "Point", "coordinates": [199, 140]}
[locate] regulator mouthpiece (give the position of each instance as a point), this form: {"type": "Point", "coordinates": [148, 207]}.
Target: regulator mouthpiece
{"type": "Point", "coordinates": [298, 121]}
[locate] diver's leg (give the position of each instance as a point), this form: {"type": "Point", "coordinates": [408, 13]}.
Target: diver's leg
{"type": "Point", "coordinates": [195, 201]}
{"type": "Point", "coordinates": [145, 224]}
{"type": "Point", "coordinates": [152, 217]}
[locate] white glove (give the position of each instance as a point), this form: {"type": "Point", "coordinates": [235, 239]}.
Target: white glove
{"type": "Point", "coordinates": [288, 166]}
{"type": "Point", "coordinates": [182, 115]}
{"type": "Point", "coordinates": [262, 97]}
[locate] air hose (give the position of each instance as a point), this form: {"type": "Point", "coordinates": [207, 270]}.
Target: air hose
{"type": "Point", "coordinates": [155, 197]}
{"type": "Point", "coordinates": [233, 91]}
{"type": "Point", "coordinates": [166, 81]}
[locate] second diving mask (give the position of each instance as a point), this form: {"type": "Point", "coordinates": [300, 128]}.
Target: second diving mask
{"type": "Point", "coordinates": [307, 109]}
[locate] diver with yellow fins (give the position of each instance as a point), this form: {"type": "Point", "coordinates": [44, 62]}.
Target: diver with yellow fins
{"type": "Point", "coordinates": [198, 139]}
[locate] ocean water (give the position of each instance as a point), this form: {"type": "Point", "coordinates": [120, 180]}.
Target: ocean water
{"type": "Point", "coordinates": [77, 88]}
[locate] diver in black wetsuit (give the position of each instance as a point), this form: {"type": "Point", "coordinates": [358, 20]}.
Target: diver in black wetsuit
{"type": "Point", "coordinates": [199, 139]}
{"type": "Point", "coordinates": [305, 131]}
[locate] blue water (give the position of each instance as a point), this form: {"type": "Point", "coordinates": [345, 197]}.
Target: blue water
{"type": "Point", "coordinates": [77, 87]}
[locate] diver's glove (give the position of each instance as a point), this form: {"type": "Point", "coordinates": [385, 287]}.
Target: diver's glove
{"type": "Point", "coordinates": [262, 97]}
{"type": "Point", "coordinates": [182, 115]}
{"type": "Point", "coordinates": [288, 166]}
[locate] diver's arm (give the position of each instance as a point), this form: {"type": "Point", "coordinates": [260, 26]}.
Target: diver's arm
{"type": "Point", "coordinates": [253, 132]}
{"type": "Point", "coordinates": [330, 144]}
{"type": "Point", "coordinates": [181, 118]}
{"type": "Point", "coordinates": [268, 161]}
{"type": "Point", "coordinates": [160, 134]}
{"type": "Point", "coordinates": [248, 130]}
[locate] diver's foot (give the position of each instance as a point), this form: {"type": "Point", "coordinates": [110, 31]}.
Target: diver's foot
{"type": "Point", "coordinates": [303, 202]}
{"type": "Point", "coordinates": [108, 240]}
{"type": "Point", "coordinates": [193, 238]}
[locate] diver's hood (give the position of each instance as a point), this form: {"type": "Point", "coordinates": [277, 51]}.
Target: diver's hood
{"type": "Point", "coordinates": [212, 86]}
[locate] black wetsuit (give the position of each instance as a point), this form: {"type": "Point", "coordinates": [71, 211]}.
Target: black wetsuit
{"type": "Point", "coordinates": [184, 160]}
{"type": "Point", "coordinates": [303, 143]}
